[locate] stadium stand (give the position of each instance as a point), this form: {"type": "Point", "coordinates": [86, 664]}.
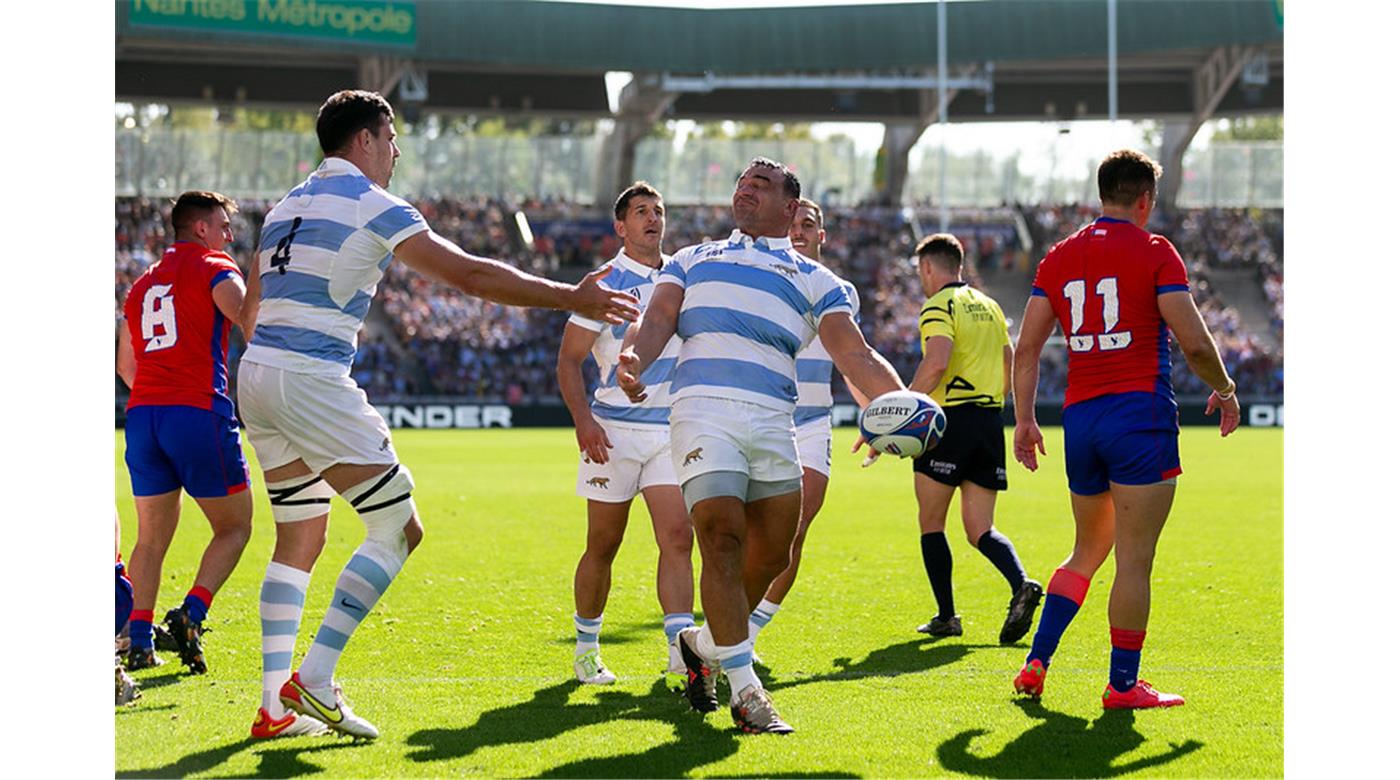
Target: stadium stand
{"type": "Point", "coordinates": [426, 340]}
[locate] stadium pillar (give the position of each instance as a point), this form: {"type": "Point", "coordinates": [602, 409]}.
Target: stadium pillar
{"type": "Point", "coordinates": [640, 106]}
{"type": "Point", "coordinates": [1212, 80]}
{"type": "Point", "coordinates": [900, 139]}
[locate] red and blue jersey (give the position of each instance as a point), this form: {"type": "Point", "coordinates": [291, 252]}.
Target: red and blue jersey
{"type": "Point", "coordinates": [1102, 283]}
{"type": "Point", "coordinates": [177, 332]}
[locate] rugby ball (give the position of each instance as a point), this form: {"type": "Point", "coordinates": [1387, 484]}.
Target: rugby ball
{"type": "Point", "coordinates": [903, 423]}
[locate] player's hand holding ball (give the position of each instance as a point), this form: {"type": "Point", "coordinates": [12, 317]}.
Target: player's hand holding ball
{"type": "Point", "coordinates": [903, 423]}
{"type": "Point", "coordinates": [629, 377]}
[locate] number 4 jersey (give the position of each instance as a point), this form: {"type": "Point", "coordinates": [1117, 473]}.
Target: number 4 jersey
{"type": "Point", "coordinates": [179, 336]}
{"type": "Point", "coordinates": [323, 250]}
{"type": "Point", "coordinates": [1102, 283]}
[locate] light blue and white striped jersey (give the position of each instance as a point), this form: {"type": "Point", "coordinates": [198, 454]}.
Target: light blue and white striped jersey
{"type": "Point", "coordinates": [323, 250]}
{"type": "Point", "coordinates": [814, 369]}
{"type": "Point", "coordinates": [750, 306]}
{"type": "Point", "coordinates": [609, 401]}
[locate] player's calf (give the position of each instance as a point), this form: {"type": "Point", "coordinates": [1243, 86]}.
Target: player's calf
{"type": "Point", "coordinates": [385, 505]}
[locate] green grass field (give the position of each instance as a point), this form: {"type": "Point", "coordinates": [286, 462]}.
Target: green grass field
{"type": "Point", "coordinates": [465, 664]}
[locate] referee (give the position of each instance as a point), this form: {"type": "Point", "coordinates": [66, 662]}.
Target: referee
{"type": "Point", "coordinates": [966, 368]}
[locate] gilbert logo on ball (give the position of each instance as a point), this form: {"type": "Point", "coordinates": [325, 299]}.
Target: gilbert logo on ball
{"type": "Point", "coordinates": [903, 423]}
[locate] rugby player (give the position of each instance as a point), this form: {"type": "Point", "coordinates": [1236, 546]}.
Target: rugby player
{"type": "Point", "coordinates": [812, 419]}
{"type": "Point", "coordinates": [744, 307]}
{"type": "Point", "coordinates": [323, 250]}
{"type": "Point", "coordinates": [966, 369]}
{"type": "Point", "coordinates": [625, 450]}
{"type": "Point", "coordinates": [181, 434]}
{"type": "Point", "coordinates": [1114, 289]}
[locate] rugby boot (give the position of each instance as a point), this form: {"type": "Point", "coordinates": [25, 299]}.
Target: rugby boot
{"type": "Point", "coordinates": [590, 670]}
{"type": "Point", "coordinates": [127, 691]}
{"type": "Point", "coordinates": [164, 639]}
{"type": "Point", "coordinates": [1021, 612]}
{"type": "Point", "coordinates": [937, 626]}
{"type": "Point", "coordinates": [1139, 697]}
{"type": "Point", "coordinates": [289, 725]}
{"type": "Point", "coordinates": [142, 658]}
{"type": "Point", "coordinates": [327, 705]}
{"type": "Point", "coordinates": [753, 713]}
{"type": "Point", "coordinates": [699, 677]}
{"type": "Point", "coordinates": [1031, 679]}
{"type": "Point", "coordinates": [186, 634]}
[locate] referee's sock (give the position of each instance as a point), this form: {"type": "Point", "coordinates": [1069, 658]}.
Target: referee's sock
{"type": "Point", "coordinates": [938, 565]}
{"type": "Point", "coordinates": [1063, 597]}
{"type": "Point", "coordinates": [999, 550]}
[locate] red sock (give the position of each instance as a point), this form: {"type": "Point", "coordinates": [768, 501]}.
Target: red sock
{"type": "Point", "coordinates": [1069, 584]}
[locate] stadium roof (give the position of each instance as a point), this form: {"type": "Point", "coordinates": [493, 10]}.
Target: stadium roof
{"type": "Point", "coordinates": [1048, 59]}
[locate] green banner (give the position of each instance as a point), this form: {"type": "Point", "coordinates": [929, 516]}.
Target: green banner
{"type": "Point", "coordinates": [368, 21]}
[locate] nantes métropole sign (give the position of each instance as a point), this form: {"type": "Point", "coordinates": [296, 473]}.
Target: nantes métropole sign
{"type": "Point", "coordinates": [369, 21]}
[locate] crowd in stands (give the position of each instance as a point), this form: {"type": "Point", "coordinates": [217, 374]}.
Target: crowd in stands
{"type": "Point", "coordinates": [426, 339]}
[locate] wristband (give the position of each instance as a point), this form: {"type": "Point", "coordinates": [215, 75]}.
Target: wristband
{"type": "Point", "coordinates": [1227, 396]}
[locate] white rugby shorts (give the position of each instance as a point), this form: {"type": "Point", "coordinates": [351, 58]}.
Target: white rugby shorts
{"type": "Point", "coordinates": [814, 445]}
{"type": "Point", "coordinates": [640, 458]}
{"type": "Point", "coordinates": [717, 434]}
{"type": "Point", "coordinates": [324, 420]}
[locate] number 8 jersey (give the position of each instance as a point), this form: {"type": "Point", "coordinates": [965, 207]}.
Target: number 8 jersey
{"type": "Point", "coordinates": [1102, 283]}
{"type": "Point", "coordinates": [179, 336]}
{"type": "Point", "coordinates": [323, 250]}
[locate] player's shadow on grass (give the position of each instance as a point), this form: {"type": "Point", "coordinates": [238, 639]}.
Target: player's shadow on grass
{"type": "Point", "coordinates": [151, 682]}
{"type": "Point", "coordinates": [1061, 746]}
{"type": "Point", "coordinates": [279, 762]}
{"type": "Point", "coordinates": [911, 657]}
{"type": "Point", "coordinates": [549, 714]}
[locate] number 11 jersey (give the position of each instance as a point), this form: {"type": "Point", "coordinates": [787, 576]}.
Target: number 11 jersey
{"type": "Point", "coordinates": [179, 336]}
{"type": "Point", "coordinates": [323, 250]}
{"type": "Point", "coordinates": [1102, 283]}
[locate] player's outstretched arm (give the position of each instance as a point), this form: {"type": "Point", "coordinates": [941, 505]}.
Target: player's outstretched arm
{"type": "Point", "coordinates": [857, 361]}
{"type": "Point", "coordinates": [938, 350]}
{"type": "Point", "coordinates": [1036, 325]}
{"type": "Point", "coordinates": [645, 341]}
{"type": "Point", "coordinates": [573, 349]}
{"type": "Point", "coordinates": [437, 258]}
{"type": "Point", "coordinates": [1179, 311]}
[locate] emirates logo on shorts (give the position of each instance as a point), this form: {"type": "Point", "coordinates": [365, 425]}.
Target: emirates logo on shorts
{"type": "Point", "coordinates": [692, 456]}
{"type": "Point", "coordinates": [598, 482]}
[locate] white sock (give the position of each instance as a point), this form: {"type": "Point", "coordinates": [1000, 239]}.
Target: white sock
{"type": "Point", "coordinates": [357, 590]}
{"type": "Point", "coordinates": [279, 606]}
{"type": "Point", "coordinates": [737, 662]}
{"type": "Point", "coordinates": [761, 616]}
{"type": "Point", "coordinates": [586, 632]}
{"type": "Point", "coordinates": [705, 644]}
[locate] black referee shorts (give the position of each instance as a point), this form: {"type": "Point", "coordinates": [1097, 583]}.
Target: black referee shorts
{"type": "Point", "coordinates": [973, 449]}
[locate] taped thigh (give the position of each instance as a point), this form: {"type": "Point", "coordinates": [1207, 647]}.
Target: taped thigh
{"type": "Point", "coordinates": [299, 498]}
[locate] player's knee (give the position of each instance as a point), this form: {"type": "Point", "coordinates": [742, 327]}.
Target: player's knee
{"type": "Point", "coordinates": [299, 498]}
{"type": "Point", "coordinates": [603, 547]}
{"type": "Point", "coordinates": [385, 505]}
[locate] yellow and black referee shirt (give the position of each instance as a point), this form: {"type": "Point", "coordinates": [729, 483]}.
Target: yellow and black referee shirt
{"type": "Point", "coordinates": [978, 329]}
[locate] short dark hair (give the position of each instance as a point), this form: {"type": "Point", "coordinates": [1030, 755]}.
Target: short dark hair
{"type": "Point", "coordinates": [812, 204]}
{"type": "Point", "coordinates": [791, 186]}
{"type": "Point", "coordinates": [1125, 175]}
{"type": "Point", "coordinates": [944, 248]}
{"type": "Point", "coordinates": [638, 189]}
{"type": "Point", "coordinates": [348, 112]}
{"type": "Point", "coordinates": [195, 205]}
